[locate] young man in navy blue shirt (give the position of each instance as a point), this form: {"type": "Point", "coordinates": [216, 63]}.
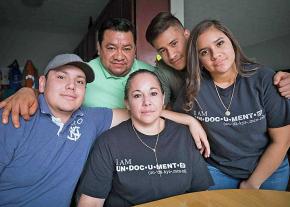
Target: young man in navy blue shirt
{"type": "Point", "coordinates": [41, 161]}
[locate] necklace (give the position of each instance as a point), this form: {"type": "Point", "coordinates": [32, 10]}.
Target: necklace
{"type": "Point", "coordinates": [146, 145]}
{"type": "Point", "coordinates": [227, 112]}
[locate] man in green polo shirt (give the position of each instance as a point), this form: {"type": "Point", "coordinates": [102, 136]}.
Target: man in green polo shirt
{"type": "Point", "coordinates": [116, 61]}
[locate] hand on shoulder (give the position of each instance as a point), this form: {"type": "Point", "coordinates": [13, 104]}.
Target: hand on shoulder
{"type": "Point", "coordinates": [23, 102]}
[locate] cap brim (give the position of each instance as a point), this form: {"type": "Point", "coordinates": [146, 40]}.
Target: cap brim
{"type": "Point", "coordinates": [89, 73]}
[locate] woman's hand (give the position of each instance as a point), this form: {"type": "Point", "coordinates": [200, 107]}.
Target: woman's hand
{"type": "Point", "coordinates": [271, 158]}
{"type": "Point", "coordinates": [23, 102]}
{"type": "Point", "coordinates": [245, 184]}
{"type": "Point", "coordinates": [195, 128]}
{"type": "Point", "coordinates": [199, 137]}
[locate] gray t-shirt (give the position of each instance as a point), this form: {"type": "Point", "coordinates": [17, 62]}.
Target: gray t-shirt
{"type": "Point", "coordinates": [171, 80]}
{"type": "Point", "coordinates": [124, 171]}
{"type": "Point", "coordinates": [238, 141]}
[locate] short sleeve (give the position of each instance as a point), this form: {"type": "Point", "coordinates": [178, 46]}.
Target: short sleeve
{"type": "Point", "coordinates": [277, 107]}
{"type": "Point", "coordinates": [97, 177]}
{"type": "Point", "coordinates": [102, 118]}
{"type": "Point", "coordinates": [201, 178]}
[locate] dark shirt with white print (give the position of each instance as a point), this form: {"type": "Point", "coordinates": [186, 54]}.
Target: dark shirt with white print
{"type": "Point", "coordinates": [237, 141]}
{"type": "Point", "coordinates": [124, 171]}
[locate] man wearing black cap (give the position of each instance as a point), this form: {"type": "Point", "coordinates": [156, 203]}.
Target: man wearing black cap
{"type": "Point", "coordinates": [41, 161]}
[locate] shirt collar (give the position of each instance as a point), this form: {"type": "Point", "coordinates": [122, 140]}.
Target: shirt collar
{"type": "Point", "coordinates": [109, 75]}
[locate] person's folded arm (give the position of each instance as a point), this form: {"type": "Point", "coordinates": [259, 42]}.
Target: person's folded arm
{"type": "Point", "coordinates": [88, 201]}
{"type": "Point", "coordinates": [271, 158]}
{"type": "Point", "coordinates": [195, 128]}
{"type": "Point", "coordinates": [23, 103]}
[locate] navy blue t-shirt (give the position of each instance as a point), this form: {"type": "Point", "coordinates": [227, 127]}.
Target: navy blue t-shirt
{"type": "Point", "coordinates": [238, 141]}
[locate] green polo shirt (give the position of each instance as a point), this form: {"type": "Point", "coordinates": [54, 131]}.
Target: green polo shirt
{"type": "Point", "coordinates": [108, 90]}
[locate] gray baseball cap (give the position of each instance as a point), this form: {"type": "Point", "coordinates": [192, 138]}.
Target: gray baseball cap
{"type": "Point", "coordinates": [71, 59]}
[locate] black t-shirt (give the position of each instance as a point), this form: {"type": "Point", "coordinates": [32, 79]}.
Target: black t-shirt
{"type": "Point", "coordinates": [124, 171]}
{"type": "Point", "coordinates": [238, 141]}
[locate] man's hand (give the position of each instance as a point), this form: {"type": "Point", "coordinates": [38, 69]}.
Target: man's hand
{"type": "Point", "coordinates": [23, 102]}
{"type": "Point", "coordinates": [282, 81]}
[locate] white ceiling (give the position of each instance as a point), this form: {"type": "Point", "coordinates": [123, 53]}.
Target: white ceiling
{"type": "Point", "coordinates": [252, 21]}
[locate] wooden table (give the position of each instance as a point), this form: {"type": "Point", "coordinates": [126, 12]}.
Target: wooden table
{"type": "Point", "coordinates": [226, 198]}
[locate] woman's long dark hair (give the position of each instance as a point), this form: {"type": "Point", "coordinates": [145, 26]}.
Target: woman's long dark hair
{"type": "Point", "coordinates": [194, 67]}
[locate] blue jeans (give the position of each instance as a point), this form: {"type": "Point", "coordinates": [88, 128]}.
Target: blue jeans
{"type": "Point", "coordinates": [277, 181]}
